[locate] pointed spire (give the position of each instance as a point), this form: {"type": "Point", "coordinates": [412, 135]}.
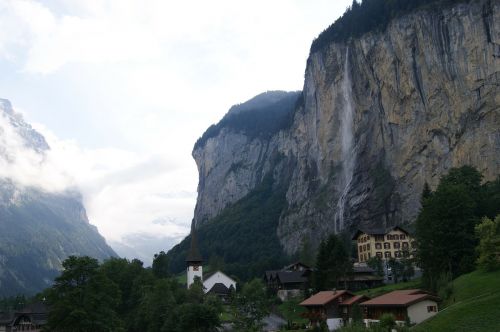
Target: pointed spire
{"type": "Point", "coordinates": [194, 255]}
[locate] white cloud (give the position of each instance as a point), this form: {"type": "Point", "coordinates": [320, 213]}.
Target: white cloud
{"type": "Point", "coordinates": [127, 86]}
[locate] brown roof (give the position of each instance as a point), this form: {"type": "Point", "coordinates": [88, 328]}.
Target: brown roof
{"type": "Point", "coordinates": [355, 299]}
{"type": "Point", "coordinates": [401, 298]}
{"type": "Point", "coordinates": [324, 297]}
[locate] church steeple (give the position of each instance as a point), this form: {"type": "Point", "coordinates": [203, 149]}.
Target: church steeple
{"type": "Point", "coordinates": [193, 259]}
{"type": "Point", "coordinates": [194, 255]}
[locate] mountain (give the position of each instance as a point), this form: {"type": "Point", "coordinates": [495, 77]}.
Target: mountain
{"type": "Point", "coordinates": [38, 229]}
{"type": "Point", "coordinates": [386, 106]}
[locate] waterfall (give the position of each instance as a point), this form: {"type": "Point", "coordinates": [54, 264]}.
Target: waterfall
{"type": "Point", "coordinates": [348, 154]}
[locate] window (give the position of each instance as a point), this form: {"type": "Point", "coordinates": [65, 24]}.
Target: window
{"type": "Point", "coordinates": [387, 246]}
{"type": "Point", "coordinates": [405, 245]}
{"type": "Point", "coordinates": [396, 245]}
{"type": "Point", "coordinates": [431, 308]}
{"type": "Point", "coordinates": [379, 254]}
{"type": "Point", "coordinates": [402, 237]}
{"type": "Point", "coordinates": [387, 254]}
{"type": "Point", "coordinates": [379, 238]}
{"type": "Point", "coordinates": [195, 268]}
{"type": "Point", "coordinates": [378, 245]}
{"type": "Point", "coordinates": [389, 237]}
{"type": "Point", "coordinates": [397, 254]}
{"type": "Point", "coordinates": [369, 255]}
{"type": "Point", "coordinates": [368, 247]}
{"type": "Point", "coordinates": [360, 248]}
{"type": "Point", "coordinates": [406, 253]}
{"type": "Point", "coordinates": [395, 237]}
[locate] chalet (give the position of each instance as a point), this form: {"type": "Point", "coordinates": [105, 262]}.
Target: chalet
{"type": "Point", "coordinates": [412, 305]}
{"type": "Point", "coordinates": [326, 306]}
{"type": "Point", "coordinates": [386, 243]}
{"type": "Point", "coordinates": [363, 277]}
{"type": "Point", "coordinates": [289, 281]}
{"type": "Point", "coordinates": [31, 318]}
{"type": "Point", "coordinates": [286, 283]}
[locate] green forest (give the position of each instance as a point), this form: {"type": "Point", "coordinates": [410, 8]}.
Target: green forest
{"type": "Point", "coordinates": [371, 15]}
{"type": "Point", "coordinates": [243, 236]}
{"type": "Point", "coordinates": [262, 121]}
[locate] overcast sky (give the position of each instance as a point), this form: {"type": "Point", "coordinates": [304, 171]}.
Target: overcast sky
{"type": "Point", "coordinates": [122, 89]}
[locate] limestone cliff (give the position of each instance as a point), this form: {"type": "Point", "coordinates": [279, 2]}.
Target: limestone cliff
{"type": "Point", "coordinates": [379, 116]}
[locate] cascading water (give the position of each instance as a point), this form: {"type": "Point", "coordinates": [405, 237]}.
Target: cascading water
{"type": "Point", "coordinates": [347, 144]}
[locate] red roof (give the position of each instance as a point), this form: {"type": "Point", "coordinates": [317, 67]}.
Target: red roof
{"type": "Point", "coordinates": [354, 299]}
{"type": "Point", "coordinates": [324, 297]}
{"type": "Point", "coordinates": [401, 298]}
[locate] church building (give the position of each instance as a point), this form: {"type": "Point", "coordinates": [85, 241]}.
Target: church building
{"type": "Point", "coordinates": [216, 283]}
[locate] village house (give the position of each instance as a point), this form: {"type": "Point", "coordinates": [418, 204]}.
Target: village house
{"type": "Point", "coordinates": [386, 243]}
{"type": "Point", "coordinates": [31, 318]}
{"type": "Point", "coordinates": [290, 281]}
{"type": "Point", "coordinates": [362, 277]}
{"type": "Point", "coordinates": [413, 305]}
{"type": "Point", "coordinates": [326, 306]}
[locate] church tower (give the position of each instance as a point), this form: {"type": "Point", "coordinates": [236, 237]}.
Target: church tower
{"type": "Point", "coordinates": [194, 260]}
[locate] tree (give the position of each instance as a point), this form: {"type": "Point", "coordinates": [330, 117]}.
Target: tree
{"type": "Point", "coordinates": [250, 306]}
{"type": "Point", "coordinates": [156, 306]}
{"type": "Point", "coordinates": [124, 274]}
{"type": "Point", "coordinates": [332, 264]}
{"type": "Point", "coordinates": [377, 264]}
{"type": "Point", "coordinates": [306, 255]}
{"type": "Point", "coordinates": [488, 233]}
{"type": "Point", "coordinates": [197, 317]}
{"type": "Point", "coordinates": [160, 265]}
{"type": "Point", "coordinates": [387, 322]}
{"type": "Point", "coordinates": [83, 299]}
{"type": "Point", "coordinates": [445, 225]}
{"type": "Point", "coordinates": [426, 193]}
{"type": "Point", "coordinates": [396, 269]}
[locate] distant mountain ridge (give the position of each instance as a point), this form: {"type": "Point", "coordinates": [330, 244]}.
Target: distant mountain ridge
{"type": "Point", "coordinates": [38, 229]}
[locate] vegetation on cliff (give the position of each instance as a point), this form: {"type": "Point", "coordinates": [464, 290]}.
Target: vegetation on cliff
{"type": "Point", "coordinates": [257, 120]}
{"type": "Point", "coordinates": [243, 235]}
{"type": "Point", "coordinates": [370, 15]}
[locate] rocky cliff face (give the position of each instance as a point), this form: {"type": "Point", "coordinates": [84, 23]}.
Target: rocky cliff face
{"type": "Point", "coordinates": [378, 117]}
{"type": "Point", "coordinates": [38, 229]}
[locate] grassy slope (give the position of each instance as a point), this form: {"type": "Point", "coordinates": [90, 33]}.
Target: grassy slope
{"type": "Point", "coordinates": [374, 292]}
{"type": "Point", "coordinates": [473, 306]}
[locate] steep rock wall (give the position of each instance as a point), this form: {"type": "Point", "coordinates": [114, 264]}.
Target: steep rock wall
{"type": "Point", "coordinates": [425, 95]}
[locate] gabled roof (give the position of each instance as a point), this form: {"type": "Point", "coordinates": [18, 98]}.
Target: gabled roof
{"type": "Point", "coordinates": [219, 288]}
{"type": "Point", "coordinates": [289, 267]}
{"type": "Point", "coordinates": [271, 274]}
{"type": "Point", "coordinates": [288, 277]}
{"type": "Point", "coordinates": [401, 298]}
{"type": "Point", "coordinates": [378, 231]}
{"type": "Point", "coordinates": [362, 269]}
{"type": "Point", "coordinates": [210, 275]}
{"type": "Point", "coordinates": [324, 297]}
{"type": "Point", "coordinates": [354, 299]}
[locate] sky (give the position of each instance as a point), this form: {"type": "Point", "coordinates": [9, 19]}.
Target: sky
{"type": "Point", "coordinates": [122, 89]}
